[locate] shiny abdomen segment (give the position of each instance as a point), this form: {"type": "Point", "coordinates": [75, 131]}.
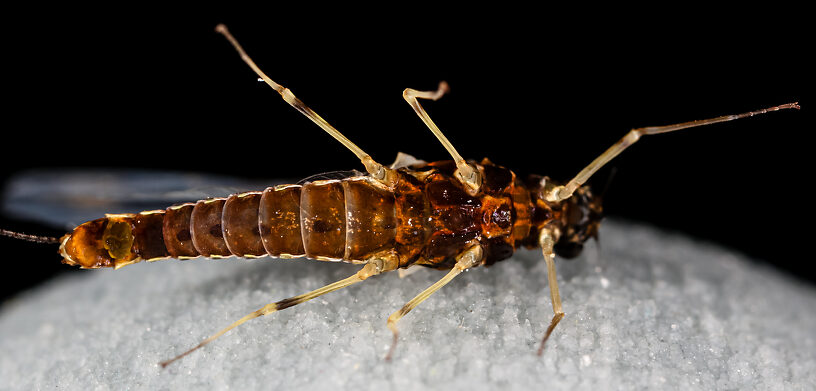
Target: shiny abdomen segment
{"type": "Point", "coordinates": [327, 220]}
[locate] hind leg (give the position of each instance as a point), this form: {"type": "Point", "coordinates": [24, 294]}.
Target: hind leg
{"type": "Point", "coordinates": [368, 270]}
{"type": "Point", "coordinates": [376, 170]}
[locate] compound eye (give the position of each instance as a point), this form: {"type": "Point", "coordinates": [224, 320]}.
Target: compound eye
{"type": "Point", "coordinates": [568, 250]}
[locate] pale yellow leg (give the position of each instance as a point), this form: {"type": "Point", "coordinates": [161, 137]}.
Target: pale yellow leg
{"type": "Point", "coordinates": [368, 270]}
{"type": "Point", "coordinates": [376, 170]}
{"type": "Point", "coordinates": [467, 259]}
{"type": "Point", "coordinates": [547, 241]}
{"type": "Point", "coordinates": [563, 192]}
{"type": "Point", "coordinates": [466, 173]}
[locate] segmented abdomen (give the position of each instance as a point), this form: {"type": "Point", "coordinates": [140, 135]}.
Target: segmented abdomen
{"type": "Point", "coordinates": [334, 220]}
{"type": "Point", "coordinates": [325, 220]}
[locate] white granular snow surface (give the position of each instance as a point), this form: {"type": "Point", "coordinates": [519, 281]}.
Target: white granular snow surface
{"type": "Point", "coordinates": [647, 310]}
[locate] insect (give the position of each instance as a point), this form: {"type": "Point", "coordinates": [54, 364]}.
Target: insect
{"type": "Point", "coordinates": [450, 215]}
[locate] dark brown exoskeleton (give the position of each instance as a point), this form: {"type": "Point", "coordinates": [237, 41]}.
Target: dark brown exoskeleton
{"type": "Point", "coordinates": [450, 215]}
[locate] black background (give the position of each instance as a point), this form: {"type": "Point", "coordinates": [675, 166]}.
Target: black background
{"type": "Point", "coordinates": [537, 90]}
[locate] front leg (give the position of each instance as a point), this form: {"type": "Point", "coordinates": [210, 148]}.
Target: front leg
{"type": "Point", "coordinates": [547, 240]}
{"type": "Point", "coordinates": [561, 193]}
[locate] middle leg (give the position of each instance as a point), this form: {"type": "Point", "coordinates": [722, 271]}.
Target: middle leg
{"type": "Point", "coordinates": [465, 173]}
{"type": "Point", "coordinates": [467, 259]}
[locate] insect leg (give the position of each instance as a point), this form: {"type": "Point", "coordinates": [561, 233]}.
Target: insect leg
{"type": "Point", "coordinates": [466, 173]}
{"type": "Point", "coordinates": [467, 259]}
{"type": "Point", "coordinates": [368, 270]}
{"type": "Point", "coordinates": [563, 192]}
{"type": "Point", "coordinates": [376, 170]}
{"type": "Point", "coordinates": [546, 241]}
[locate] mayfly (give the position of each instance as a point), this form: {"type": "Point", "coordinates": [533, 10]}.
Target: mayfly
{"type": "Point", "coordinates": [448, 215]}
